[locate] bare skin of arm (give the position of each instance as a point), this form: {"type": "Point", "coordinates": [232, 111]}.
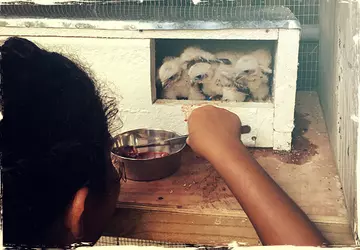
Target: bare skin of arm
{"type": "Point", "coordinates": [214, 133]}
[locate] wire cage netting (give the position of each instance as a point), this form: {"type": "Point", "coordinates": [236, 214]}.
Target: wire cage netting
{"type": "Point", "coordinates": [306, 11]}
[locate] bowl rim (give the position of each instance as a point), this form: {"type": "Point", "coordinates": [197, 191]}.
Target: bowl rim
{"type": "Point", "coordinates": [132, 159]}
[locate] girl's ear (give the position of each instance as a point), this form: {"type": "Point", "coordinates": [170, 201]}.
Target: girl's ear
{"type": "Point", "coordinates": [74, 213]}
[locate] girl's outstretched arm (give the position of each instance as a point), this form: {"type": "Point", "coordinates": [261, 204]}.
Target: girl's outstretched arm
{"type": "Point", "coordinates": [214, 133]}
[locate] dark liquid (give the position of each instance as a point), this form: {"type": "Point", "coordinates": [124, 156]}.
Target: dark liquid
{"type": "Point", "coordinates": [151, 155]}
{"type": "Point", "coordinates": [130, 152]}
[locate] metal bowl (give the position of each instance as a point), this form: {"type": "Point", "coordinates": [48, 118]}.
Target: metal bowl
{"type": "Point", "coordinates": [147, 169]}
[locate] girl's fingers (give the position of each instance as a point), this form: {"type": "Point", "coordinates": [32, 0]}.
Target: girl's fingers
{"type": "Point", "coordinates": [245, 129]}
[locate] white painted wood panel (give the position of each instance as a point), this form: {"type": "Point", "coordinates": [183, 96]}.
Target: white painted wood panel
{"type": "Point", "coordinates": [348, 106]}
{"type": "Point", "coordinates": [124, 65]}
{"type": "Point", "coordinates": [120, 29]}
{"type": "Point", "coordinates": [124, 59]}
{"type": "Point", "coordinates": [339, 92]}
{"type": "Point", "coordinates": [284, 88]}
{"type": "Point", "coordinates": [328, 86]}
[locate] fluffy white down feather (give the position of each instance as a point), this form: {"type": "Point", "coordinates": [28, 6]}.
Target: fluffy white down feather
{"type": "Point", "coordinates": [211, 75]}
{"type": "Point", "coordinates": [264, 59]}
{"type": "Point", "coordinates": [182, 88]}
{"type": "Point", "coordinates": [171, 67]}
{"type": "Point", "coordinates": [205, 73]}
{"type": "Point", "coordinates": [233, 56]}
{"type": "Point", "coordinates": [232, 94]}
{"type": "Point", "coordinates": [248, 74]}
{"type": "Point", "coordinates": [247, 70]}
{"type": "Point", "coordinates": [259, 88]}
{"type": "Point", "coordinates": [175, 81]}
{"type": "Point", "coordinates": [194, 53]}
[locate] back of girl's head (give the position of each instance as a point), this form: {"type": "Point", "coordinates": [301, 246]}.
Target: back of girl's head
{"type": "Point", "coordinates": [54, 137]}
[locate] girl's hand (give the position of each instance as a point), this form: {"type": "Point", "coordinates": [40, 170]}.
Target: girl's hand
{"type": "Point", "coordinates": [213, 132]}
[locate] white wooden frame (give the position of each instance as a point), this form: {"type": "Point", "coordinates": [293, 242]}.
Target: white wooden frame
{"type": "Point", "coordinates": [106, 50]}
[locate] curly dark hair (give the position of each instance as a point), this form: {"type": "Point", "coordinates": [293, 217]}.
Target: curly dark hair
{"type": "Point", "coordinates": [54, 136]}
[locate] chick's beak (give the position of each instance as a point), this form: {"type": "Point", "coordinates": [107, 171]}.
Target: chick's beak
{"type": "Point", "coordinates": [166, 84]}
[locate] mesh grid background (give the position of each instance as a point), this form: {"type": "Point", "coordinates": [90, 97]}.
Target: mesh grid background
{"type": "Point", "coordinates": [307, 11]}
{"type": "Point", "coordinates": [308, 66]}
{"type": "Point", "coordinates": [117, 241]}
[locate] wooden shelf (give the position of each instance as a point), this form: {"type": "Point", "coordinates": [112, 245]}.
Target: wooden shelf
{"type": "Point", "coordinates": [195, 206]}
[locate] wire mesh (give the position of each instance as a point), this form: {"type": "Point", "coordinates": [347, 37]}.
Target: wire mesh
{"type": "Point", "coordinates": [305, 10]}
{"type": "Point", "coordinates": [118, 241]}
{"type": "Point", "coordinates": [254, 15]}
{"type": "Point", "coordinates": [308, 66]}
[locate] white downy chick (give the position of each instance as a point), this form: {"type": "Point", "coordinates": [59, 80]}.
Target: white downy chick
{"type": "Point", "coordinates": [211, 76]}
{"type": "Point", "coordinates": [176, 82]}
{"type": "Point", "coordinates": [203, 73]}
{"type": "Point", "coordinates": [261, 93]}
{"type": "Point", "coordinates": [248, 75]}
{"type": "Point", "coordinates": [264, 59]}
{"type": "Point", "coordinates": [233, 94]}
{"type": "Point", "coordinates": [194, 53]}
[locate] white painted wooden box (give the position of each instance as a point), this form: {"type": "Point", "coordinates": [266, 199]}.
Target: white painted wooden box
{"type": "Point", "coordinates": [123, 54]}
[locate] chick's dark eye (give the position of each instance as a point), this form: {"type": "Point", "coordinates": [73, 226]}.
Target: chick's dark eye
{"type": "Point", "coordinates": [247, 71]}
{"type": "Point", "coordinates": [199, 77]}
{"type": "Point", "coordinates": [172, 78]}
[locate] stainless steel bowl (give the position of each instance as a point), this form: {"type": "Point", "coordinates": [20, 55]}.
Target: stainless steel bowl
{"type": "Point", "coordinates": [147, 169]}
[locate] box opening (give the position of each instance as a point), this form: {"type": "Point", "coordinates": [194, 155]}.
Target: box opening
{"type": "Point", "coordinates": [221, 73]}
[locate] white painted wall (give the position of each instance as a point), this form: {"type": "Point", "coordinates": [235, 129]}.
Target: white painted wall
{"type": "Point", "coordinates": [124, 59]}
{"type": "Point", "coordinates": [339, 92]}
{"type": "Point", "coordinates": [125, 66]}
